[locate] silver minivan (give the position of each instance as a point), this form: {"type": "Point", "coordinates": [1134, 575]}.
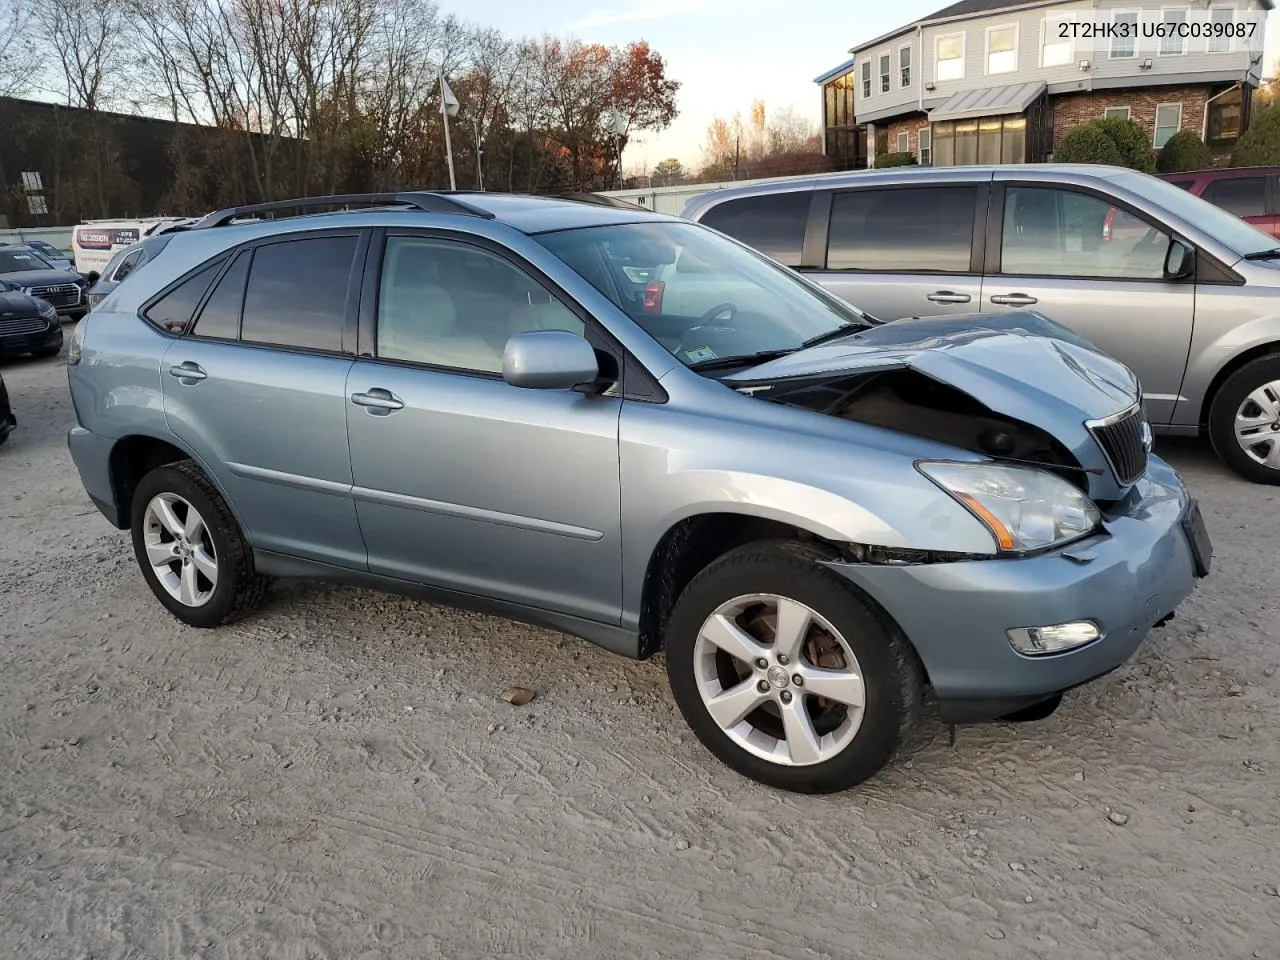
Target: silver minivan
{"type": "Point", "coordinates": [1184, 293]}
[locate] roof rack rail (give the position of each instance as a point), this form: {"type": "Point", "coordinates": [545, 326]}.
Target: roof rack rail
{"type": "Point", "coordinates": [424, 201]}
{"type": "Point", "coordinates": [601, 201]}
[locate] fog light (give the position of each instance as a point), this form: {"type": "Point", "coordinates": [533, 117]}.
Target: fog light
{"type": "Point", "coordinates": [1039, 641]}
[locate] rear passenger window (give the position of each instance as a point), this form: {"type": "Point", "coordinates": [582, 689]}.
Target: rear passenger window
{"type": "Point", "coordinates": [1240, 196]}
{"type": "Point", "coordinates": [220, 316]}
{"type": "Point", "coordinates": [297, 293]}
{"type": "Point", "coordinates": [773, 223]}
{"type": "Point", "coordinates": [925, 230]}
{"type": "Point", "coordinates": [173, 311]}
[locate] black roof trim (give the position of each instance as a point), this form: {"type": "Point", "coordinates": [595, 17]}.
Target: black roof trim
{"type": "Point", "coordinates": [425, 201]}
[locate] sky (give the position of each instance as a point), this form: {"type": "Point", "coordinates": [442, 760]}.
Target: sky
{"type": "Point", "coordinates": [725, 53]}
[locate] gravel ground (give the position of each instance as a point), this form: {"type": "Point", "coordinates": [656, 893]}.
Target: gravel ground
{"type": "Point", "coordinates": [338, 777]}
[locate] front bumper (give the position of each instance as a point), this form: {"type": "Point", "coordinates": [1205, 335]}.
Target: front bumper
{"type": "Point", "coordinates": [40, 340]}
{"type": "Point", "coordinates": [1126, 580]}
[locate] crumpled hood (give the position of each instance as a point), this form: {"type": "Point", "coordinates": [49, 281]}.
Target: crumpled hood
{"type": "Point", "coordinates": [1022, 365]}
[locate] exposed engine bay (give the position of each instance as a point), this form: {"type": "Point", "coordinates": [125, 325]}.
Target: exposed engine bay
{"type": "Point", "coordinates": [912, 403]}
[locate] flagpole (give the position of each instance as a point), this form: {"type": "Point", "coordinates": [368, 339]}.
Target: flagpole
{"type": "Point", "coordinates": [448, 147]}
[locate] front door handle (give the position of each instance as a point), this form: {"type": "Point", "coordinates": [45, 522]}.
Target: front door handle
{"type": "Point", "coordinates": [947, 296]}
{"type": "Point", "coordinates": [378, 400]}
{"type": "Point", "coordinates": [187, 371]}
{"type": "Point", "coordinates": [1014, 299]}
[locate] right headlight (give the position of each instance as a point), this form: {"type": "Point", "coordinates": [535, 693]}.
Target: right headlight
{"type": "Point", "coordinates": [1024, 508]}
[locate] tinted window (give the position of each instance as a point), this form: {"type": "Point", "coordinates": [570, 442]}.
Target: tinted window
{"type": "Point", "coordinates": [173, 311]}
{"type": "Point", "coordinates": [773, 223]}
{"type": "Point", "coordinates": [454, 305]}
{"type": "Point", "coordinates": [126, 266]}
{"type": "Point", "coordinates": [928, 229]}
{"type": "Point", "coordinates": [297, 293]}
{"type": "Point", "coordinates": [220, 316]}
{"type": "Point", "coordinates": [17, 259]}
{"type": "Point", "coordinates": [1241, 196]}
{"type": "Point", "coordinates": [1060, 233]}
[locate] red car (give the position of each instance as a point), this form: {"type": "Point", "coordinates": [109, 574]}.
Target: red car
{"type": "Point", "coordinates": [1251, 193]}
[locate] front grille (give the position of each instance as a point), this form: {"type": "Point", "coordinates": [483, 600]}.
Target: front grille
{"type": "Point", "coordinates": [17, 328]}
{"type": "Point", "coordinates": [63, 295]}
{"type": "Point", "coordinates": [1123, 441]}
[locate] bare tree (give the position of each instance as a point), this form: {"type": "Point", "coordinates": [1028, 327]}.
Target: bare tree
{"type": "Point", "coordinates": [20, 58]}
{"type": "Point", "coordinates": [86, 39]}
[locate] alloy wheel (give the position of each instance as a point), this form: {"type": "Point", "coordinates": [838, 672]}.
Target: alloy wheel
{"type": "Point", "coordinates": [179, 549]}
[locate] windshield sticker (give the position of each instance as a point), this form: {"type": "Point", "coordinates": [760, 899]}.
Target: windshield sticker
{"type": "Point", "coordinates": [699, 354]}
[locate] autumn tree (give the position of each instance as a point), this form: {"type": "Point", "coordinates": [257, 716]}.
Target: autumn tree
{"type": "Point", "coordinates": [19, 53]}
{"type": "Point", "coordinates": [766, 145]}
{"type": "Point", "coordinates": [669, 171]}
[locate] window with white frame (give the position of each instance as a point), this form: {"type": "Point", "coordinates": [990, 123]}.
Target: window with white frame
{"type": "Point", "coordinates": [866, 78]}
{"type": "Point", "coordinates": [1222, 16]}
{"type": "Point", "coordinates": [1124, 47]}
{"type": "Point", "coordinates": [904, 66]}
{"type": "Point", "coordinates": [1117, 113]}
{"type": "Point", "coordinates": [884, 73]}
{"type": "Point", "coordinates": [904, 142]}
{"type": "Point", "coordinates": [1055, 51]}
{"type": "Point", "coordinates": [1002, 49]}
{"type": "Point", "coordinates": [1168, 122]}
{"type": "Point", "coordinates": [924, 142]}
{"type": "Point", "coordinates": [950, 57]}
{"type": "Point", "coordinates": [1173, 45]}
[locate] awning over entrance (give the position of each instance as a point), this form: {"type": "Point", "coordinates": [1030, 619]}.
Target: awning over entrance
{"type": "Point", "coordinates": [989, 101]}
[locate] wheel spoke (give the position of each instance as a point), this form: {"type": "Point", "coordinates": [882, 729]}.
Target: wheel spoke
{"type": "Point", "coordinates": [161, 554]}
{"type": "Point", "coordinates": [732, 706]}
{"type": "Point", "coordinates": [193, 529]}
{"type": "Point", "coordinates": [793, 626]}
{"type": "Point", "coordinates": [1264, 397]}
{"type": "Point", "coordinates": [1272, 458]}
{"type": "Point", "coordinates": [203, 561]}
{"type": "Point", "coordinates": [187, 591]}
{"type": "Point", "coordinates": [167, 517]}
{"type": "Point", "coordinates": [842, 686]}
{"type": "Point", "coordinates": [802, 739]}
{"type": "Point", "coordinates": [722, 632]}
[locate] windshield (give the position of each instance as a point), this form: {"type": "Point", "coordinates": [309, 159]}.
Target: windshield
{"type": "Point", "coordinates": [15, 261]}
{"type": "Point", "coordinates": [702, 296]}
{"type": "Point", "coordinates": [1228, 230]}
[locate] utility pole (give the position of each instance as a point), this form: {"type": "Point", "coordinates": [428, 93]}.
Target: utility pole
{"type": "Point", "coordinates": [475, 125]}
{"type": "Point", "coordinates": [448, 108]}
{"type": "Point", "coordinates": [737, 154]}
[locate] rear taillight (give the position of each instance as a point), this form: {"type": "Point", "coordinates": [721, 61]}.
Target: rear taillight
{"type": "Point", "coordinates": [651, 301]}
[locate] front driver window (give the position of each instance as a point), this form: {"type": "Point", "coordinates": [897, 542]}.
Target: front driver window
{"type": "Point", "coordinates": [1061, 233]}
{"type": "Point", "coordinates": [450, 304]}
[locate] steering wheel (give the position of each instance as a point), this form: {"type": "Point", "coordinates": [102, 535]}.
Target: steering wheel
{"type": "Point", "coordinates": [716, 311]}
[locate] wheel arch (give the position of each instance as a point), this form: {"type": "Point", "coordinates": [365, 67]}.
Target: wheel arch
{"type": "Point", "coordinates": [135, 455]}
{"type": "Point", "coordinates": [1236, 362]}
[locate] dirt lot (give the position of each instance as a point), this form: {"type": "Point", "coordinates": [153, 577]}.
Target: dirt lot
{"type": "Point", "coordinates": [321, 781]}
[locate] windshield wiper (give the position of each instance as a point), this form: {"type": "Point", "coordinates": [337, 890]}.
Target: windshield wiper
{"type": "Point", "coordinates": [1272, 254]}
{"type": "Point", "coordinates": [841, 331]}
{"type": "Point", "coordinates": [742, 359]}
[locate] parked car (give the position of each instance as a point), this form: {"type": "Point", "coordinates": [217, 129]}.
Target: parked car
{"type": "Point", "coordinates": [58, 259]}
{"type": "Point", "coordinates": [23, 268]}
{"type": "Point", "coordinates": [465, 397]}
{"type": "Point", "coordinates": [95, 242]}
{"type": "Point", "coordinates": [126, 261]}
{"type": "Point", "coordinates": [1250, 193]}
{"type": "Point", "coordinates": [1182, 292]}
{"type": "Point", "coordinates": [27, 324]}
{"type": "Point", "coordinates": [8, 422]}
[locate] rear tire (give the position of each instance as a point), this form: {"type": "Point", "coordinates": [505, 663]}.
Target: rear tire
{"type": "Point", "coordinates": [768, 725]}
{"type": "Point", "coordinates": [192, 552]}
{"type": "Point", "coordinates": [1244, 420]}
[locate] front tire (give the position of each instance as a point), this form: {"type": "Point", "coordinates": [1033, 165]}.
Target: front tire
{"type": "Point", "coordinates": [190, 548]}
{"type": "Point", "coordinates": [787, 673]}
{"type": "Point", "coordinates": [1244, 420]}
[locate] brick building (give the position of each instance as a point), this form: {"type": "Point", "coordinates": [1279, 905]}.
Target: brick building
{"type": "Point", "coordinates": [1003, 81]}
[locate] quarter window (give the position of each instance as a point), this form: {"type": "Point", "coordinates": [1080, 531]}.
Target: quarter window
{"type": "Point", "coordinates": [297, 293]}
{"type": "Point", "coordinates": [126, 266]}
{"type": "Point", "coordinates": [1060, 233]}
{"type": "Point", "coordinates": [773, 223]}
{"type": "Point", "coordinates": [906, 230]}
{"type": "Point", "coordinates": [951, 57]}
{"type": "Point", "coordinates": [174, 310]}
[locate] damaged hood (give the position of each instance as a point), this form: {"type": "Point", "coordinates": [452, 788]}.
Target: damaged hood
{"type": "Point", "coordinates": [1023, 365]}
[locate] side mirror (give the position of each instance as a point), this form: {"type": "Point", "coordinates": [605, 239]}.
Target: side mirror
{"type": "Point", "coordinates": [1180, 261]}
{"type": "Point", "coordinates": [549, 360]}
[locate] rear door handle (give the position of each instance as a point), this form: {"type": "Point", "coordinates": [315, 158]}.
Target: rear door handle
{"type": "Point", "coordinates": [947, 296]}
{"type": "Point", "coordinates": [187, 371]}
{"type": "Point", "coordinates": [379, 401]}
{"type": "Point", "coordinates": [1014, 299]}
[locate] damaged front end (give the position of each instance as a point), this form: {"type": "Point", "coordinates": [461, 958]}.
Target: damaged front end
{"type": "Point", "coordinates": [1017, 388]}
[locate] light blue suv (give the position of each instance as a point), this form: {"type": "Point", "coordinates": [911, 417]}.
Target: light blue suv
{"type": "Point", "coordinates": [636, 430]}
